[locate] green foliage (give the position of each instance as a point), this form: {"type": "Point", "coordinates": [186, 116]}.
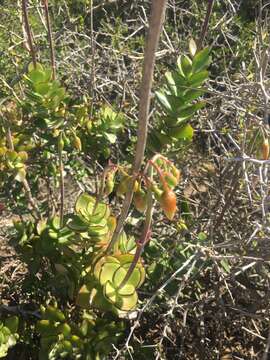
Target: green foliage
{"type": "Point", "coordinates": [44, 96]}
{"type": "Point", "coordinates": [100, 133]}
{"type": "Point", "coordinates": [176, 99]}
{"type": "Point", "coordinates": [8, 334]}
{"type": "Point", "coordinates": [91, 218]}
{"type": "Point", "coordinates": [91, 338]}
{"type": "Point", "coordinates": [102, 283]}
{"type": "Point", "coordinates": [41, 240]}
{"type": "Point", "coordinates": [49, 116]}
{"type": "Point", "coordinates": [46, 130]}
{"type": "Point", "coordinates": [105, 287]}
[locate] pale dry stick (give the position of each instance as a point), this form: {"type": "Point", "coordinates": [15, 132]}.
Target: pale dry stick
{"type": "Point", "coordinates": [248, 159]}
{"type": "Point", "coordinates": [155, 25]}
{"type": "Point", "coordinates": [244, 167]}
{"type": "Point", "coordinates": [50, 38]}
{"type": "Point", "coordinates": [10, 88]}
{"type": "Point", "coordinates": [247, 182]}
{"type": "Point", "coordinates": [267, 347]}
{"type": "Point", "coordinates": [41, 17]}
{"type": "Point", "coordinates": [179, 292]}
{"type": "Point", "coordinates": [134, 33]}
{"type": "Point", "coordinates": [252, 236]}
{"type": "Point", "coordinates": [28, 32]}
{"type": "Point", "coordinates": [263, 194]}
{"type": "Point", "coordinates": [191, 259]}
{"type": "Point", "coordinates": [245, 171]}
{"type": "Point", "coordinates": [263, 64]}
{"type": "Point", "coordinates": [253, 333]}
{"type": "Point", "coordinates": [228, 197]}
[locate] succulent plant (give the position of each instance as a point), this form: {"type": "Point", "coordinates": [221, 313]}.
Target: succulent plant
{"type": "Point", "coordinates": [176, 99]}
{"type": "Point", "coordinates": [8, 334]}
{"type": "Point", "coordinates": [91, 218]}
{"type": "Point", "coordinates": [113, 289]}
{"type": "Point", "coordinates": [61, 338]}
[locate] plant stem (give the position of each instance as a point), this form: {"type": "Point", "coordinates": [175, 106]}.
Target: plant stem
{"type": "Point", "coordinates": [160, 174]}
{"type": "Point", "coordinates": [62, 185]}
{"type": "Point", "coordinates": [205, 24]}
{"type": "Point", "coordinates": [155, 25]}
{"type": "Point", "coordinates": [93, 51]}
{"type": "Point", "coordinates": [28, 31]}
{"type": "Point", "coordinates": [50, 38]}
{"type": "Point", "coordinates": [36, 213]}
{"type": "Point", "coordinates": [145, 234]}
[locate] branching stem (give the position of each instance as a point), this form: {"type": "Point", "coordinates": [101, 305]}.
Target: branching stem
{"type": "Point", "coordinates": [155, 25]}
{"type": "Point", "coordinates": [146, 234]}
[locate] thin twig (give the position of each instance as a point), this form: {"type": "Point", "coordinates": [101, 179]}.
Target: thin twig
{"type": "Point", "coordinates": [146, 234]}
{"type": "Point", "coordinates": [28, 31]}
{"type": "Point", "coordinates": [155, 25]}
{"type": "Point", "coordinates": [205, 24]}
{"type": "Point", "coordinates": [62, 184]}
{"type": "Point", "coordinates": [50, 38]}
{"type": "Point", "coordinates": [267, 348]}
{"type": "Point", "coordinates": [93, 51]}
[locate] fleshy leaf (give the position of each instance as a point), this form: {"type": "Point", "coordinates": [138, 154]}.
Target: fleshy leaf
{"type": "Point", "coordinates": [201, 60]}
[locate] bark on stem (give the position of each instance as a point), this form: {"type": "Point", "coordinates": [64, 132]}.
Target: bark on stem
{"type": "Point", "coordinates": [62, 184]}
{"type": "Point", "coordinates": [146, 234]}
{"type": "Point", "coordinates": [155, 25]}
{"type": "Point", "coordinates": [205, 24]}
{"type": "Point", "coordinates": [28, 32]}
{"type": "Point", "coordinates": [50, 38]}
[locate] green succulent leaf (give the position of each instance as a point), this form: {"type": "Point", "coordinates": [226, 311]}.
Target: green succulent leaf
{"type": "Point", "coordinates": [171, 83]}
{"type": "Point", "coordinates": [77, 224]}
{"type": "Point", "coordinates": [189, 111]}
{"type": "Point", "coordinates": [184, 65]}
{"type": "Point", "coordinates": [201, 60]}
{"type": "Point", "coordinates": [184, 132]}
{"type": "Point", "coordinates": [107, 272]}
{"type": "Point", "coordinates": [36, 76]}
{"type": "Point", "coordinates": [193, 94]}
{"type": "Point", "coordinates": [198, 78]}
{"type": "Point", "coordinates": [164, 101]}
{"type": "Point", "coordinates": [12, 324]}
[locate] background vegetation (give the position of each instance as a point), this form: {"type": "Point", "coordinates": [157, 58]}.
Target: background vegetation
{"type": "Point", "coordinates": [207, 288]}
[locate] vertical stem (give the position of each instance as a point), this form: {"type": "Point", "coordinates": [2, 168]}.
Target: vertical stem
{"type": "Point", "coordinates": [93, 50]}
{"type": "Point", "coordinates": [28, 31]}
{"type": "Point", "coordinates": [9, 139]}
{"type": "Point", "coordinates": [31, 200]}
{"type": "Point", "coordinates": [145, 234]}
{"type": "Point", "coordinates": [155, 25]}
{"type": "Point", "coordinates": [205, 24]}
{"type": "Point", "coordinates": [50, 38]}
{"type": "Point", "coordinates": [62, 185]}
